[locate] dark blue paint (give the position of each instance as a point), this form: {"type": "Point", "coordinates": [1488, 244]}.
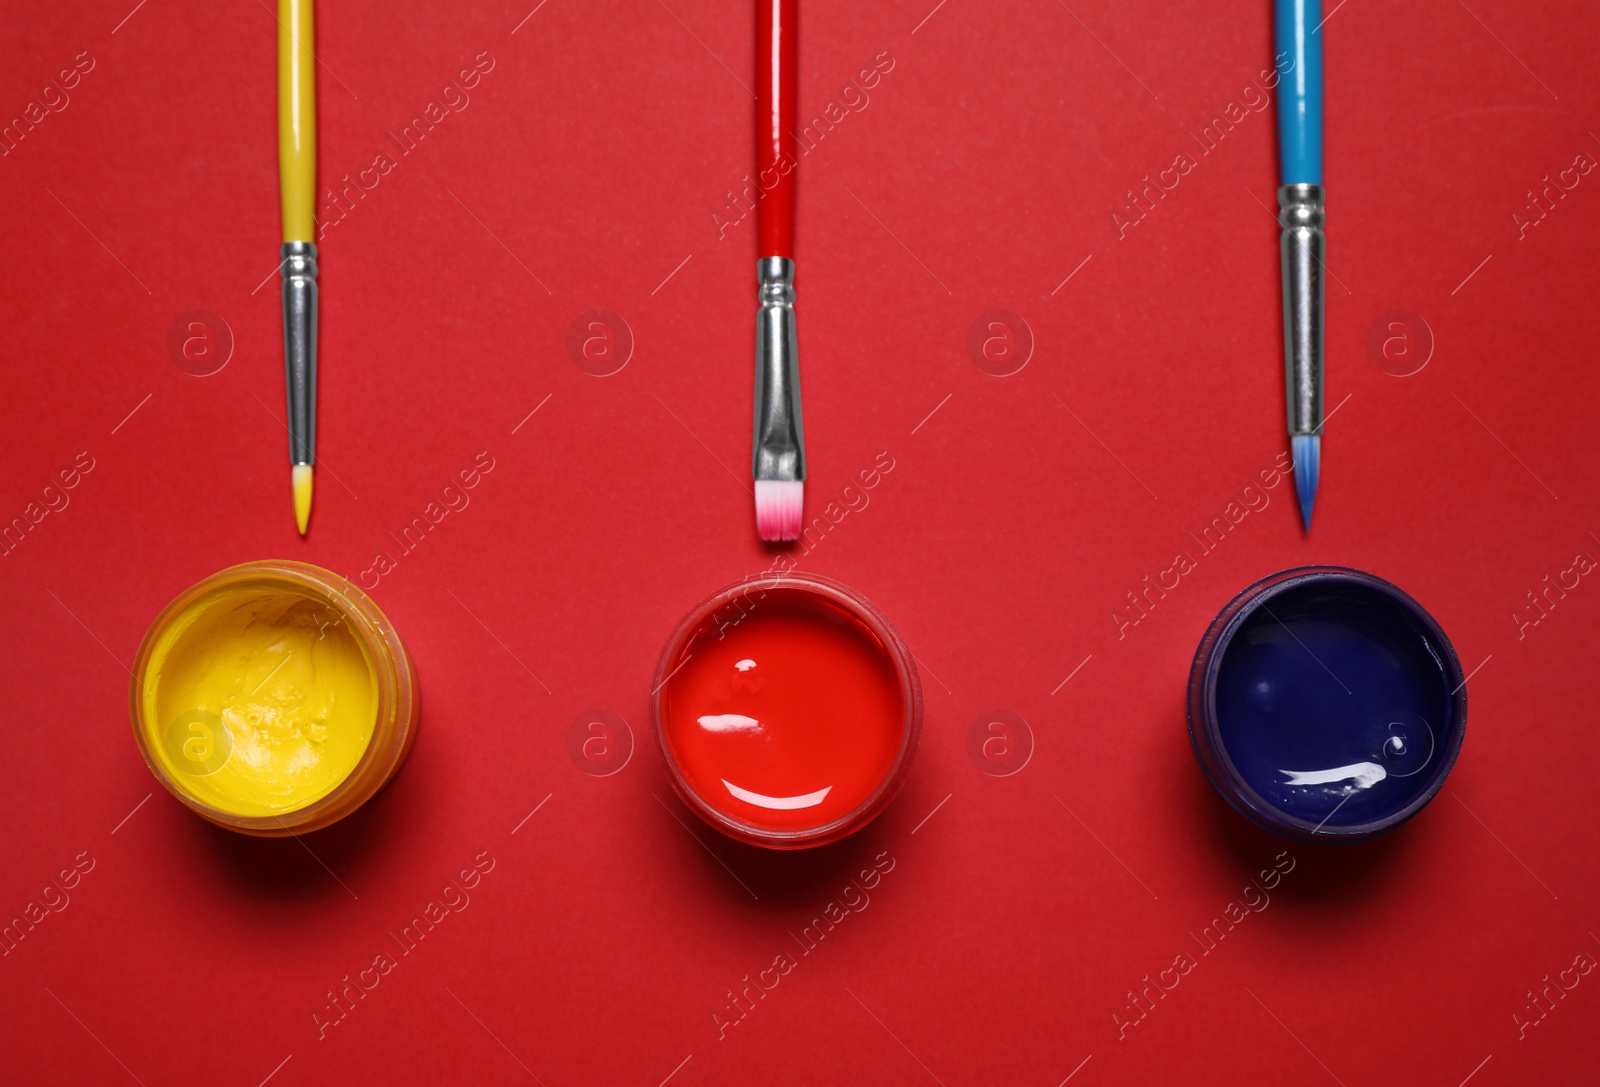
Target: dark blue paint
{"type": "Point", "coordinates": [1319, 669]}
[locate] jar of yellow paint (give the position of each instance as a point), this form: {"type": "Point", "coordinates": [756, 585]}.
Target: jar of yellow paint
{"type": "Point", "coordinates": [273, 698]}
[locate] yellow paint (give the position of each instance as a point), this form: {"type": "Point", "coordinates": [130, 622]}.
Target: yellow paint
{"type": "Point", "coordinates": [297, 119]}
{"type": "Point", "coordinates": [301, 481]}
{"type": "Point", "coordinates": [258, 703]}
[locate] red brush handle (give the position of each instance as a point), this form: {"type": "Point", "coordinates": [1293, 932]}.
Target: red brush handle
{"type": "Point", "coordinates": [777, 117]}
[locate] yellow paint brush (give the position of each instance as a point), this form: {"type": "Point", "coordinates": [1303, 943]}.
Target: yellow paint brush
{"type": "Point", "coordinates": [297, 183]}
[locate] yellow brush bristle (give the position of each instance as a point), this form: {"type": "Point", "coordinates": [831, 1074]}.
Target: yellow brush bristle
{"type": "Point", "coordinates": [302, 496]}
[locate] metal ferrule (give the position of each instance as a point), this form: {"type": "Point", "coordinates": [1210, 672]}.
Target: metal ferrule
{"type": "Point", "coordinates": [1301, 218]}
{"type": "Point", "coordinates": [298, 266]}
{"type": "Point", "coordinates": [780, 451]}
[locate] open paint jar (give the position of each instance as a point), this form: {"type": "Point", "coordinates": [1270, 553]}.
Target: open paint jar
{"type": "Point", "coordinates": [787, 709]}
{"type": "Point", "coordinates": [273, 698]}
{"type": "Point", "coordinates": [1326, 705]}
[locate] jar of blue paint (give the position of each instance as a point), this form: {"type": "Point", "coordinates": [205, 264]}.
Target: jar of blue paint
{"type": "Point", "coordinates": [1326, 705]}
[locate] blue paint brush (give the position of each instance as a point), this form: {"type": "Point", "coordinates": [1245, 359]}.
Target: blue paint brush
{"type": "Point", "coordinates": [1298, 35]}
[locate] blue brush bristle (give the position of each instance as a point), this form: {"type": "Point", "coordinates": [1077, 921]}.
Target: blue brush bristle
{"type": "Point", "coordinates": [1307, 451]}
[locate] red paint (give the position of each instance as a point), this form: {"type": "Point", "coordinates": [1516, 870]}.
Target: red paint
{"type": "Point", "coordinates": [777, 118]}
{"type": "Point", "coordinates": [783, 690]}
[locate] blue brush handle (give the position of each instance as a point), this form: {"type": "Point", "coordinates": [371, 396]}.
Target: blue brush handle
{"type": "Point", "coordinates": [1298, 37]}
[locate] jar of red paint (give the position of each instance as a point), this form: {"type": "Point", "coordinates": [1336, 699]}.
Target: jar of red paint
{"type": "Point", "coordinates": [787, 709]}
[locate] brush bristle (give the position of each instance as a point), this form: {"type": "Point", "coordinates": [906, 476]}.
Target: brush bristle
{"type": "Point", "coordinates": [778, 505]}
{"type": "Point", "coordinates": [301, 482]}
{"type": "Point", "coordinates": [1307, 452]}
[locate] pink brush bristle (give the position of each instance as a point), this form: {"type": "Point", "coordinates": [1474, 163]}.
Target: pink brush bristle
{"type": "Point", "coordinates": [778, 506]}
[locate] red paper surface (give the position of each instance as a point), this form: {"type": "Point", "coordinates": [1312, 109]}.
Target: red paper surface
{"type": "Point", "coordinates": [979, 172]}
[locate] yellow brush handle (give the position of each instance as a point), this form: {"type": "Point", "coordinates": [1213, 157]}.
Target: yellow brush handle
{"type": "Point", "coordinates": [297, 119]}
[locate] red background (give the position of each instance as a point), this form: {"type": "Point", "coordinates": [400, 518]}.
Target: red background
{"type": "Point", "coordinates": [1020, 912]}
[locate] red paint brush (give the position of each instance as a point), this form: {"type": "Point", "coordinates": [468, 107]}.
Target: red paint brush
{"type": "Point", "coordinates": [779, 463]}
